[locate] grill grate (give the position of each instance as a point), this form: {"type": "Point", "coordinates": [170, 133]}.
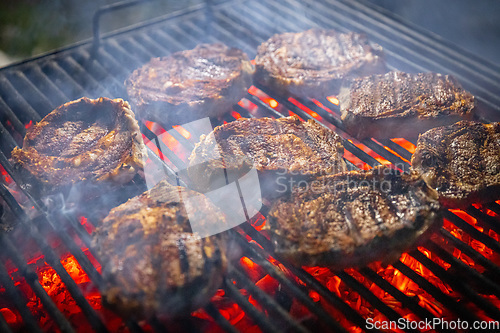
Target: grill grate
{"type": "Point", "coordinates": [28, 91]}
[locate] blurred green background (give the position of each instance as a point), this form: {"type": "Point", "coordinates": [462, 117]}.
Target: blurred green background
{"type": "Point", "coordinates": [31, 27]}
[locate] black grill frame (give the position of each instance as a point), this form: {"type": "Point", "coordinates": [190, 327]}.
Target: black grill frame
{"type": "Point", "coordinates": [31, 89]}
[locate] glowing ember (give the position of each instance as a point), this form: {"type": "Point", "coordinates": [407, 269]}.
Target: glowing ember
{"type": "Point", "coordinates": [9, 316]}
{"type": "Point", "coordinates": [405, 144]}
{"type": "Point", "coordinates": [236, 115]}
{"type": "Point", "coordinates": [304, 108]}
{"type": "Point", "coordinates": [6, 179]}
{"type": "Point", "coordinates": [333, 100]}
{"type": "Point", "coordinates": [28, 125]}
{"type": "Point", "coordinates": [392, 151]}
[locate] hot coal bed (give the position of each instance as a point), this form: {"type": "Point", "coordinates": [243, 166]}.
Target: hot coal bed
{"type": "Point", "coordinates": [50, 280]}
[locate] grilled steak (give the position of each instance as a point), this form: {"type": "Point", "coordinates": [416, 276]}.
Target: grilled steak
{"type": "Point", "coordinates": [152, 263]}
{"type": "Point", "coordinates": [402, 104]}
{"type": "Point", "coordinates": [461, 162]}
{"type": "Point", "coordinates": [189, 85]}
{"type": "Point", "coordinates": [84, 143]}
{"type": "Point", "coordinates": [277, 149]}
{"type": "Point", "coordinates": [352, 218]}
{"type": "Point", "coordinates": [314, 63]}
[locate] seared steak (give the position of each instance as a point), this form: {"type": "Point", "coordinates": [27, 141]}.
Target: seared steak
{"type": "Point", "coordinates": [402, 104]}
{"type": "Point", "coordinates": [461, 162]}
{"type": "Point", "coordinates": [189, 85]}
{"type": "Point", "coordinates": [352, 218]}
{"type": "Point", "coordinates": [314, 63]}
{"type": "Point", "coordinates": [277, 149]}
{"type": "Point", "coordinates": [152, 263]}
{"type": "Point", "coordinates": [85, 142]}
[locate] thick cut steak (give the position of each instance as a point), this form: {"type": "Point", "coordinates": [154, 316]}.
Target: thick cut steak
{"type": "Point", "coordinates": [461, 162]}
{"type": "Point", "coordinates": [152, 263]}
{"type": "Point", "coordinates": [82, 143]}
{"type": "Point", "coordinates": [277, 148]}
{"type": "Point", "coordinates": [314, 63]}
{"type": "Point", "coordinates": [402, 104]}
{"type": "Point", "coordinates": [352, 218]}
{"type": "Point", "coordinates": [191, 84]}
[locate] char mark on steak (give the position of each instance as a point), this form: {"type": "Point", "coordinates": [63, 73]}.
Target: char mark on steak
{"type": "Point", "coordinates": [402, 104]}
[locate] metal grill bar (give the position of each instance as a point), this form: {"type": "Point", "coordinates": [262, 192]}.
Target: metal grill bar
{"type": "Point", "coordinates": [457, 285]}
{"type": "Point", "coordinates": [474, 255]}
{"type": "Point", "coordinates": [250, 310]}
{"type": "Point", "coordinates": [256, 254]}
{"type": "Point", "coordinates": [405, 300]}
{"type": "Point", "coordinates": [483, 219]}
{"type": "Point", "coordinates": [279, 314]}
{"type": "Point", "coordinates": [45, 85]}
{"type": "Point", "coordinates": [435, 292]}
{"type": "Point", "coordinates": [53, 261]}
{"type": "Point", "coordinates": [18, 299]}
{"type": "Point", "coordinates": [415, 33]}
{"type": "Point", "coordinates": [460, 269]}
{"type": "Point", "coordinates": [473, 232]}
{"type": "Point", "coordinates": [23, 111]}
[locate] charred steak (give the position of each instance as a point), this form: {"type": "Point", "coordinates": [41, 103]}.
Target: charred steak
{"type": "Point", "coordinates": [352, 218]}
{"type": "Point", "coordinates": [277, 149]}
{"type": "Point", "coordinates": [402, 104]}
{"type": "Point", "coordinates": [461, 162]}
{"type": "Point", "coordinates": [85, 142]}
{"type": "Point", "coordinates": [314, 63]}
{"type": "Point", "coordinates": [152, 263]}
{"type": "Point", "coordinates": [189, 85]}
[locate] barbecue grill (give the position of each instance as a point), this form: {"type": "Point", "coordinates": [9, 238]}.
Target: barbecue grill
{"type": "Point", "coordinates": [50, 279]}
